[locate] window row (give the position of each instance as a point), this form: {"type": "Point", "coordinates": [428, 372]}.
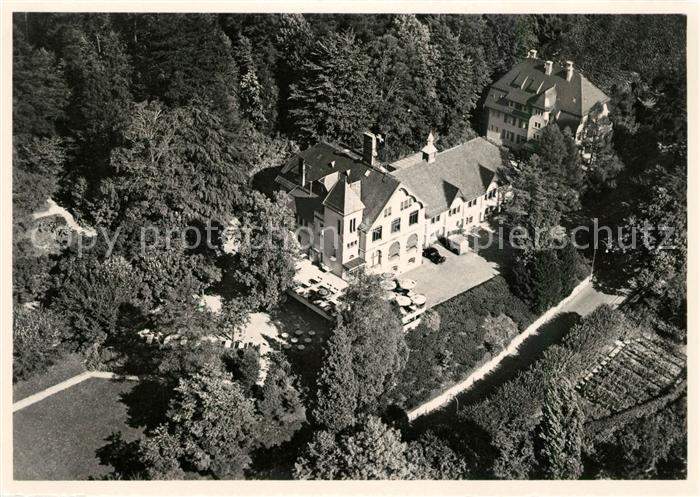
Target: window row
{"type": "Point", "coordinates": [395, 250]}
{"type": "Point", "coordinates": [395, 226]}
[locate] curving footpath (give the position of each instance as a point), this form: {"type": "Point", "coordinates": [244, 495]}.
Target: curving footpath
{"type": "Point", "coordinates": [33, 399]}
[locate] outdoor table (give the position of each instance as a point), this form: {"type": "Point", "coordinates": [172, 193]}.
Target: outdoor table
{"type": "Point", "coordinates": [301, 347]}
{"type": "Point", "coordinates": [403, 301]}
{"type": "Point", "coordinates": [389, 296]}
{"type": "Point", "coordinates": [388, 275]}
{"type": "Point", "coordinates": [312, 333]}
{"type": "Point", "coordinates": [287, 346]}
{"type": "Point", "coordinates": [323, 291]}
{"type": "Point", "coordinates": [284, 334]}
{"type": "Point", "coordinates": [419, 299]}
{"type": "Point", "coordinates": [407, 284]}
{"type": "Point", "coordinates": [298, 332]}
{"type": "Point", "coordinates": [307, 340]}
{"type": "Point", "coordinates": [388, 284]}
{"type": "Point", "coordinates": [294, 340]}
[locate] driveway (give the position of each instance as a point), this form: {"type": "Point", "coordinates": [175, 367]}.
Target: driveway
{"type": "Point", "coordinates": [459, 273]}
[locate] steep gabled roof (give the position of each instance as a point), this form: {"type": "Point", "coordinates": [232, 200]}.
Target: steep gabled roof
{"type": "Point", "coordinates": [377, 189]}
{"type": "Point", "coordinates": [527, 82]}
{"type": "Point", "coordinates": [321, 160]}
{"type": "Point", "coordinates": [466, 170]}
{"type": "Point", "coordinates": [343, 198]}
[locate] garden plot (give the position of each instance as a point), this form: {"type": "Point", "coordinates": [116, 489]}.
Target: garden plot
{"type": "Point", "coordinates": [633, 372]}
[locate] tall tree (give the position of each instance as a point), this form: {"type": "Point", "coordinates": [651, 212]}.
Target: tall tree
{"type": "Point", "coordinates": [280, 406]}
{"type": "Point", "coordinates": [373, 451]}
{"type": "Point", "coordinates": [560, 431]}
{"type": "Point", "coordinates": [406, 69]}
{"type": "Point", "coordinates": [214, 423]}
{"type": "Point", "coordinates": [456, 87]}
{"type": "Point", "coordinates": [261, 264]}
{"type": "Point", "coordinates": [39, 89]}
{"type": "Point", "coordinates": [95, 295]}
{"type": "Point", "coordinates": [183, 58]}
{"type": "Point", "coordinates": [250, 88]}
{"type": "Point", "coordinates": [338, 388]}
{"type": "Point", "coordinates": [333, 96]}
{"type": "Point", "coordinates": [377, 354]}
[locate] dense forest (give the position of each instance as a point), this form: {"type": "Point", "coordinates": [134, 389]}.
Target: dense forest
{"type": "Point", "coordinates": [138, 122]}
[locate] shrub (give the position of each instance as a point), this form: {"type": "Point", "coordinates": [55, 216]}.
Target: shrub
{"type": "Point", "coordinates": [37, 340]}
{"type": "Point", "coordinates": [457, 346]}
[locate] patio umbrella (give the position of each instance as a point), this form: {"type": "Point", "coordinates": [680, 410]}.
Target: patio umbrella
{"type": "Point", "coordinates": [419, 299]}
{"type": "Point", "coordinates": [323, 292]}
{"type": "Point", "coordinates": [388, 285]}
{"type": "Point", "coordinates": [407, 284]}
{"type": "Point", "coordinates": [403, 301]}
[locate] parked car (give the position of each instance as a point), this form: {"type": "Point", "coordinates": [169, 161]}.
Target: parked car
{"type": "Point", "coordinates": [433, 255]}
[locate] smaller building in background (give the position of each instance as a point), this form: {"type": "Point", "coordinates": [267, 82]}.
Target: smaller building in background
{"type": "Point", "coordinates": [534, 93]}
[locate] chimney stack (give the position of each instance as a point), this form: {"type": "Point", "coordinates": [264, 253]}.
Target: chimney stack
{"type": "Point", "coordinates": [369, 148]}
{"type": "Point", "coordinates": [532, 54]}
{"type": "Point", "coordinates": [302, 171]}
{"type": "Point", "coordinates": [429, 151]}
{"type": "Point", "coordinates": [548, 67]}
{"type": "Point", "coordinates": [569, 70]}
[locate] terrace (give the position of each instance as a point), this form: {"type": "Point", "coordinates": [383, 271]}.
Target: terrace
{"type": "Point", "coordinates": [317, 288]}
{"type": "Point", "coordinates": [411, 305]}
{"type": "Point", "coordinates": [320, 291]}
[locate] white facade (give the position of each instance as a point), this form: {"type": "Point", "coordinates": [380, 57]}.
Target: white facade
{"type": "Point", "coordinates": [394, 241]}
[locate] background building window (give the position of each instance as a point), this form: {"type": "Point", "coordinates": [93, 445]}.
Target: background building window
{"type": "Point", "coordinates": [377, 234]}
{"type": "Point", "coordinates": [353, 225]}
{"type": "Point", "coordinates": [413, 218]}
{"type": "Point", "coordinates": [396, 225]}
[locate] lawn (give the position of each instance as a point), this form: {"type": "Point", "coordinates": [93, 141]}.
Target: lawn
{"type": "Point", "coordinates": [56, 438]}
{"type": "Point", "coordinates": [65, 367]}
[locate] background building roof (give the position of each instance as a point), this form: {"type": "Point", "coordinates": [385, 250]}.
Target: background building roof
{"type": "Point", "coordinates": [527, 82]}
